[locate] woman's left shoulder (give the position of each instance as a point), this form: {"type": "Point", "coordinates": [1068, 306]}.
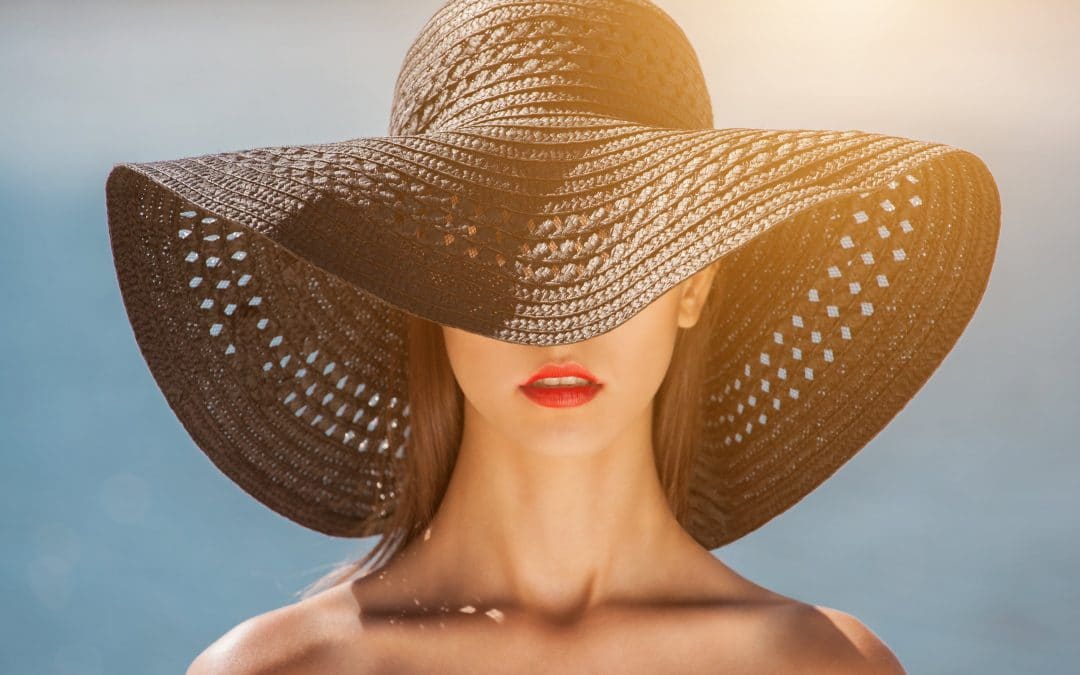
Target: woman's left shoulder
{"type": "Point", "coordinates": [810, 638]}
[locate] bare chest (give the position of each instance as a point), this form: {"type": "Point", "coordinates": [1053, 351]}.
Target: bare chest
{"type": "Point", "coordinates": [661, 642]}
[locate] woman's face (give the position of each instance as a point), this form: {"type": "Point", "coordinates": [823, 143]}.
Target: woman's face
{"type": "Point", "coordinates": [630, 361]}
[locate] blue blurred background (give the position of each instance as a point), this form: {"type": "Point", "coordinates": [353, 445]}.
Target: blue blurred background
{"type": "Point", "coordinates": [954, 534]}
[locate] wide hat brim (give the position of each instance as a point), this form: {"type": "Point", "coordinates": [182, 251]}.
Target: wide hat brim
{"type": "Point", "coordinates": [268, 289]}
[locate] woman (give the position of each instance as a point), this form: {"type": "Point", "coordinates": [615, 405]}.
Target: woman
{"type": "Point", "coordinates": [555, 548]}
{"type": "Point", "coordinates": [360, 335]}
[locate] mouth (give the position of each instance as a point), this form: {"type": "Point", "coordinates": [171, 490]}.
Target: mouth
{"type": "Point", "coordinates": [561, 375]}
{"type": "Point", "coordinates": [561, 385]}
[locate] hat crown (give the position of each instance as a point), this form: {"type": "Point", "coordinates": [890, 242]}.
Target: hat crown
{"type": "Point", "coordinates": [479, 60]}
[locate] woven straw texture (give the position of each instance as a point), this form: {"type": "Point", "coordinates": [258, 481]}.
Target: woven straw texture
{"type": "Point", "coordinates": [550, 169]}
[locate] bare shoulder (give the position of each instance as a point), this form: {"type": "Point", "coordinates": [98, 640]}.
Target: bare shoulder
{"type": "Point", "coordinates": [811, 639]}
{"type": "Point", "coordinates": [315, 635]}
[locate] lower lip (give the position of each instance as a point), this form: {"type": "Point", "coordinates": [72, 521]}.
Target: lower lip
{"type": "Point", "coordinates": [561, 397]}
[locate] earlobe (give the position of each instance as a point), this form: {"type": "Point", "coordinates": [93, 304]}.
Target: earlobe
{"type": "Point", "coordinates": [687, 318]}
{"type": "Point", "coordinates": [689, 307]}
{"type": "Point", "coordinates": [690, 311]}
{"type": "Point", "coordinates": [694, 296]}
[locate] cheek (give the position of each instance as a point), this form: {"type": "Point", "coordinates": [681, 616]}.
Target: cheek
{"type": "Point", "coordinates": [641, 356]}
{"type": "Point", "coordinates": [483, 367]}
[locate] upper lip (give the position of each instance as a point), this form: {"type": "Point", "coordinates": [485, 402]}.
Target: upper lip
{"type": "Point", "coordinates": [569, 369]}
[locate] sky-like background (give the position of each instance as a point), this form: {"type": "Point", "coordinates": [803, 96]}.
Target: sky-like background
{"type": "Point", "coordinates": [954, 534]}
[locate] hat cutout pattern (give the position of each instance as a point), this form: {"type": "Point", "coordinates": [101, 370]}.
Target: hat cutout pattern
{"type": "Point", "coordinates": [531, 192]}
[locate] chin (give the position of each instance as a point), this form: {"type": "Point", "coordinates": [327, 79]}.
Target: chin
{"type": "Point", "coordinates": [563, 442]}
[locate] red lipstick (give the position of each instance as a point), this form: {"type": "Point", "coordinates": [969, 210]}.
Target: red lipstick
{"type": "Point", "coordinates": [562, 395]}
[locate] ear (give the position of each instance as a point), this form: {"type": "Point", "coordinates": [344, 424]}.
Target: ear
{"type": "Point", "coordinates": [694, 293]}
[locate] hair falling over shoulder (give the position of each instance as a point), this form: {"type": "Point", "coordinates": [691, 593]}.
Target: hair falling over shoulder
{"type": "Point", "coordinates": [436, 418]}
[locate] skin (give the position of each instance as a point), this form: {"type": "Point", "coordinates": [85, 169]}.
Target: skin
{"type": "Point", "coordinates": [554, 549]}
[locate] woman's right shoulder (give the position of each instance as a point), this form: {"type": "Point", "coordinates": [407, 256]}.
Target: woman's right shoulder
{"type": "Point", "coordinates": [319, 634]}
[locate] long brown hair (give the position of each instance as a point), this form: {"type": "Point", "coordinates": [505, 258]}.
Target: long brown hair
{"type": "Point", "coordinates": [436, 417]}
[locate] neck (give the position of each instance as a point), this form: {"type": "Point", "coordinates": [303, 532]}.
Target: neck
{"type": "Point", "coordinates": [550, 531]}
